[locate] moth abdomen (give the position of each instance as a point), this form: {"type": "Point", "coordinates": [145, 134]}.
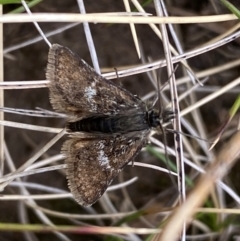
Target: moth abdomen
{"type": "Point", "coordinates": [110, 124]}
{"type": "Point", "coordinates": [92, 125]}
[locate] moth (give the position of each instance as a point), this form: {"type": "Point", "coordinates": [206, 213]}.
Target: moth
{"type": "Point", "coordinates": [108, 125]}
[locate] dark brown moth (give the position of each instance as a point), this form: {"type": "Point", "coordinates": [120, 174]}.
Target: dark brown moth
{"type": "Point", "coordinates": [108, 125]}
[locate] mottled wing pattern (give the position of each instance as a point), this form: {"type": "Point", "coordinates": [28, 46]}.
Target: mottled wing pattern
{"type": "Point", "coordinates": [92, 164]}
{"type": "Point", "coordinates": [76, 89]}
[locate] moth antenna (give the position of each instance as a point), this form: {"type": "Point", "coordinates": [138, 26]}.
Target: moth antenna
{"type": "Point", "coordinates": [188, 135]}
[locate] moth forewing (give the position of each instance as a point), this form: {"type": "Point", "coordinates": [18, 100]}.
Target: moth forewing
{"type": "Point", "coordinates": [76, 89]}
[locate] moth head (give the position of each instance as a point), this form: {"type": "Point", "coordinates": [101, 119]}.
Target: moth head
{"type": "Point", "coordinates": [155, 118]}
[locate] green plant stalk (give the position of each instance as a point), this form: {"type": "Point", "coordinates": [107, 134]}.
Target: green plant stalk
{"type": "Point", "coordinates": [231, 7]}
{"type": "Point", "coordinates": [3, 2]}
{"type": "Point", "coordinates": [169, 163]}
{"type": "Point", "coordinates": [22, 9]}
{"type": "Point", "coordinates": [235, 107]}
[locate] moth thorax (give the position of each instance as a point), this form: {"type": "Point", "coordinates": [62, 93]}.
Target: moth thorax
{"type": "Point", "coordinates": [153, 118]}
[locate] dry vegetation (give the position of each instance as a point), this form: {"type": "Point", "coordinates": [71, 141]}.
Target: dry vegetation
{"type": "Point", "coordinates": [149, 204]}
